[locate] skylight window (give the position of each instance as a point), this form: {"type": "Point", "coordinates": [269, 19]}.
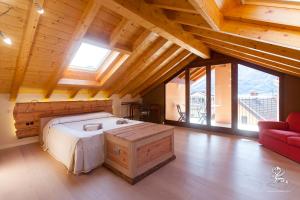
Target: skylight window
{"type": "Point", "coordinates": [89, 57]}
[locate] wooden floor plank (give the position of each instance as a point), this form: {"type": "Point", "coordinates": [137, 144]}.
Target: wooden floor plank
{"type": "Point", "coordinates": [208, 166]}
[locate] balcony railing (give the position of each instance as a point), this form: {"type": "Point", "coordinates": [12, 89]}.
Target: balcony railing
{"type": "Point", "coordinates": [250, 110]}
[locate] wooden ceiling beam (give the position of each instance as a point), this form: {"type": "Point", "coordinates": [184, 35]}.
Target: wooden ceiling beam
{"type": "Point", "coordinates": [154, 74]}
{"type": "Point", "coordinates": [201, 74]}
{"type": "Point", "coordinates": [84, 23]}
{"type": "Point", "coordinates": [292, 64]}
{"type": "Point", "coordinates": [192, 71]}
{"type": "Point", "coordinates": [209, 10]}
{"type": "Point", "coordinates": [25, 49]}
{"type": "Point", "coordinates": [106, 63]}
{"type": "Point", "coordinates": [197, 73]}
{"type": "Point", "coordinates": [177, 5]}
{"type": "Point", "coordinates": [279, 36]}
{"type": "Point", "coordinates": [255, 59]}
{"type": "Point", "coordinates": [74, 92]}
{"type": "Point", "coordinates": [119, 31]}
{"type": "Point", "coordinates": [73, 74]}
{"type": "Point", "coordinates": [255, 44]}
{"type": "Point", "coordinates": [113, 78]}
{"type": "Point", "coordinates": [266, 16]}
{"type": "Point", "coordinates": [103, 77]}
{"type": "Point", "coordinates": [191, 19]}
{"type": "Point", "coordinates": [138, 66]}
{"type": "Point", "coordinates": [78, 83]}
{"type": "Point", "coordinates": [105, 44]}
{"type": "Point", "coordinates": [153, 19]}
{"type": "Point", "coordinates": [93, 92]}
{"type": "Point", "coordinates": [156, 64]}
{"type": "Point", "coordinates": [169, 74]}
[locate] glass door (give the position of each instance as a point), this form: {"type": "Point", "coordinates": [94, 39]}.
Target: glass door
{"type": "Point", "coordinates": [175, 99]}
{"type": "Point", "coordinates": [198, 92]}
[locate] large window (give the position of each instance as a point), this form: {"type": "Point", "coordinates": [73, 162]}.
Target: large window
{"type": "Point", "coordinates": [258, 97]}
{"type": "Point", "coordinates": [198, 95]}
{"type": "Point", "coordinates": [224, 96]}
{"type": "Point", "coordinates": [175, 99]}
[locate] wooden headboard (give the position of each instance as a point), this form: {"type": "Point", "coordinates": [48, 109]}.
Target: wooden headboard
{"type": "Point", "coordinates": [27, 115]}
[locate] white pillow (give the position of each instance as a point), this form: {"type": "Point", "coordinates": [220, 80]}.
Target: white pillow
{"type": "Point", "coordinates": [82, 117]}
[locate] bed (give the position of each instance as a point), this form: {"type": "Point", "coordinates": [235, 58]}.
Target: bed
{"type": "Point", "coordinates": [80, 151]}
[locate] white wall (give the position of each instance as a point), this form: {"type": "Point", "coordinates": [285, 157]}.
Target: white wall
{"type": "Point", "coordinates": [7, 130]}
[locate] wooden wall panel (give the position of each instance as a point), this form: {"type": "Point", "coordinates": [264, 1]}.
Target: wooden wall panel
{"type": "Point", "coordinates": [27, 115]}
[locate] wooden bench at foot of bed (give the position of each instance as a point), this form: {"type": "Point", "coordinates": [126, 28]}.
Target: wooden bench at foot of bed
{"type": "Point", "coordinates": [135, 151]}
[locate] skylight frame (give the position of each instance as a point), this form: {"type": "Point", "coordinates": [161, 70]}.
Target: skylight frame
{"type": "Point", "coordinates": [90, 52]}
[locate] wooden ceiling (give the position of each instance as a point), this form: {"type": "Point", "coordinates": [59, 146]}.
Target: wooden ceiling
{"type": "Point", "coordinates": [150, 40]}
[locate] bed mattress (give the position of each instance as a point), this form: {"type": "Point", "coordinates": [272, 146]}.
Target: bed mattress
{"type": "Point", "coordinates": [80, 151]}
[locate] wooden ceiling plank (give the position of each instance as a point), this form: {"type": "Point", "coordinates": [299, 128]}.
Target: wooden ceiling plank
{"type": "Point", "coordinates": [157, 74]}
{"type": "Point", "coordinates": [267, 16]}
{"type": "Point", "coordinates": [119, 31]}
{"type": "Point", "coordinates": [209, 10]}
{"type": "Point", "coordinates": [282, 51]}
{"type": "Point", "coordinates": [84, 23]}
{"type": "Point", "coordinates": [276, 35]}
{"type": "Point", "coordinates": [131, 59]}
{"type": "Point", "coordinates": [177, 5]}
{"type": "Point", "coordinates": [169, 74]}
{"type": "Point", "coordinates": [138, 66]}
{"type": "Point", "coordinates": [294, 4]}
{"type": "Point", "coordinates": [187, 18]}
{"type": "Point", "coordinates": [105, 44]}
{"type": "Point", "coordinates": [255, 59]}
{"type": "Point", "coordinates": [155, 20]}
{"type": "Point", "coordinates": [280, 36]}
{"type": "Point", "coordinates": [25, 49]}
{"type": "Point", "coordinates": [156, 64]}
{"type": "Point", "coordinates": [289, 63]}
{"type": "Point", "coordinates": [78, 83]}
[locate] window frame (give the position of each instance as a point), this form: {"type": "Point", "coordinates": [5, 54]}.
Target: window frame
{"type": "Point", "coordinates": [83, 68]}
{"type": "Point", "coordinates": [234, 92]}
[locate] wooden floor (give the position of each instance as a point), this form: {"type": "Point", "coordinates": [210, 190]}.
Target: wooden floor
{"type": "Point", "coordinates": [208, 166]}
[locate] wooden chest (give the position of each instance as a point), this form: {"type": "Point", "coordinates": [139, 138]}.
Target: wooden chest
{"type": "Point", "coordinates": [135, 151]}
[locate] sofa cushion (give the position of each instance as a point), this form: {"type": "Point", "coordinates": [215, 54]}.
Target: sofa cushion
{"type": "Point", "coordinates": [295, 141]}
{"type": "Point", "coordinates": [280, 134]}
{"type": "Point", "coordinates": [294, 121]}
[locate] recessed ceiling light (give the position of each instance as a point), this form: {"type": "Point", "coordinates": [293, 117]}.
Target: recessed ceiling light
{"type": "Point", "coordinates": [39, 8]}
{"type": "Point", "coordinates": [5, 39]}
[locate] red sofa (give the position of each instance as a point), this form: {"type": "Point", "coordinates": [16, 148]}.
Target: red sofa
{"type": "Point", "coordinates": [282, 137]}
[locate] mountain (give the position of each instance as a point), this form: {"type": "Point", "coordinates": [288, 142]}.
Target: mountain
{"type": "Point", "coordinates": [249, 81]}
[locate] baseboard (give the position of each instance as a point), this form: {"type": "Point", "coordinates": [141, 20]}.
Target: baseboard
{"type": "Point", "coordinates": [20, 143]}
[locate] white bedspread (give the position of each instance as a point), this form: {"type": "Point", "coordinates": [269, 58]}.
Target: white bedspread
{"type": "Point", "coordinates": [79, 150]}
